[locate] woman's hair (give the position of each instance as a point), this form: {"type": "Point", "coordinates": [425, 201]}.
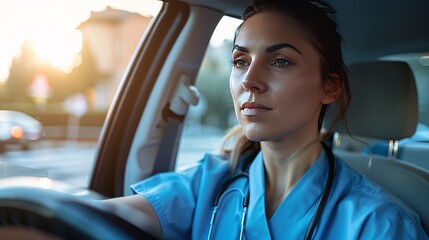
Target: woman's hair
{"type": "Point", "coordinates": [316, 19]}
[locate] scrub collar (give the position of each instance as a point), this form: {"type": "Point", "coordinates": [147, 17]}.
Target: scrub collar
{"type": "Point", "coordinates": [301, 198]}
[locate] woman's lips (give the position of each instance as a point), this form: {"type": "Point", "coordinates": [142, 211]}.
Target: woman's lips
{"type": "Point", "coordinates": [253, 109]}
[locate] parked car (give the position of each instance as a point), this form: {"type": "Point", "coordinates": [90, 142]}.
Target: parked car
{"type": "Point", "coordinates": [18, 128]}
{"type": "Point", "coordinates": [146, 120]}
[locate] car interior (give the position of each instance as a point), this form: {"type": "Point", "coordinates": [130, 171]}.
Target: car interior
{"type": "Point", "coordinates": [384, 45]}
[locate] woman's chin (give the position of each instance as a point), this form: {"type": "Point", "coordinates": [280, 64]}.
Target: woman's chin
{"type": "Point", "coordinates": [256, 136]}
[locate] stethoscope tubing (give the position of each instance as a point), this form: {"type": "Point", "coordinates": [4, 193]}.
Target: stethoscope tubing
{"type": "Point", "coordinates": [230, 179]}
{"type": "Point", "coordinates": [326, 191]}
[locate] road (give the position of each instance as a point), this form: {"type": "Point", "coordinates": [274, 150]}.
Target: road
{"type": "Point", "coordinates": [67, 161]}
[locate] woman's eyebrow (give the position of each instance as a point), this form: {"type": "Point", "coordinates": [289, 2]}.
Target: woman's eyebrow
{"type": "Point", "coordinates": [240, 48]}
{"type": "Point", "coordinates": [278, 46]}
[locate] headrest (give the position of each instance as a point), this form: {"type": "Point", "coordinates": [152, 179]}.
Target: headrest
{"type": "Point", "coordinates": [383, 103]}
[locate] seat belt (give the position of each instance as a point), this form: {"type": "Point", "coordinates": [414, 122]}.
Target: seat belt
{"type": "Point", "coordinates": [164, 158]}
{"type": "Point", "coordinates": [174, 114]}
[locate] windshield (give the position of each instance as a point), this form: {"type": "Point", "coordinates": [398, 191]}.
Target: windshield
{"type": "Point", "coordinates": [60, 66]}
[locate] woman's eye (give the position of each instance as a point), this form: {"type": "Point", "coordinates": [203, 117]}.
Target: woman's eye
{"type": "Point", "coordinates": [239, 63]}
{"type": "Point", "coordinates": [281, 62]}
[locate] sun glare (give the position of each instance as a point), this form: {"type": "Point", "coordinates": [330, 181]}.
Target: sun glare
{"type": "Point", "coordinates": [50, 28]}
{"type": "Point", "coordinates": [58, 47]}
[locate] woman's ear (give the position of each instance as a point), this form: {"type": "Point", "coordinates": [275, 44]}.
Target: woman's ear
{"type": "Point", "coordinates": [333, 88]}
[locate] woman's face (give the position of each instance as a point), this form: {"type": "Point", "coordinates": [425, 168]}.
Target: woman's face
{"type": "Point", "coordinates": [276, 83]}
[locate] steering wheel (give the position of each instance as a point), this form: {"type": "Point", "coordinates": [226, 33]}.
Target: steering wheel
{"type": "Point", "coordinates": [65, 215]}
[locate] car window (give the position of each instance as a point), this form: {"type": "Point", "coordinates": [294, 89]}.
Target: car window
{"type": "Point", "coordinates": [208, 121]}
{"type": "Point", "coordinates": [61, 63]}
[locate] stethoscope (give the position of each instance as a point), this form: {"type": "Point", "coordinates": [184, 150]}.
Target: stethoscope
{"type": "Point", "coordinates": [243, 172]}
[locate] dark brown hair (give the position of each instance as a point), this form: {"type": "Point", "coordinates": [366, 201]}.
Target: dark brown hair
{"type": "Point", "coordinates": [316, 19]}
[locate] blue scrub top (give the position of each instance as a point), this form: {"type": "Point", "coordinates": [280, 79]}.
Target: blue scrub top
{"type": "Point", "coordinates": [356, 207]}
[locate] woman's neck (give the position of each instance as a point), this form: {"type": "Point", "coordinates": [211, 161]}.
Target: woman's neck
{"type": "Point", "coordinates": [284, 167]}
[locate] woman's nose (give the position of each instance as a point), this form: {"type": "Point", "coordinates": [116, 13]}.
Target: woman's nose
{"type": "Point", "coordinates": [252, 83]}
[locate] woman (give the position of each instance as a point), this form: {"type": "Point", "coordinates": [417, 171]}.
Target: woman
{"type": "Point", "coordinates": [287, 68]}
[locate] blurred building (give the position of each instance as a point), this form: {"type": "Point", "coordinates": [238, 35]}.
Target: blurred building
{"type": "Point", "coordinates": [111, 36]}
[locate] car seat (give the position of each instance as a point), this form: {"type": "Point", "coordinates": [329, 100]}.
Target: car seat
{"type": "Point", "coordinates": [384, 106]}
